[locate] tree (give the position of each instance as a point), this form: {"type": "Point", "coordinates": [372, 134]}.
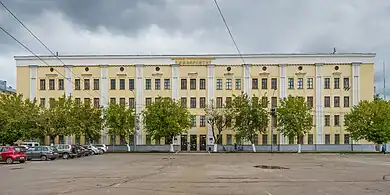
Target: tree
{"type": "Point", "coordinates": [119, 120]}
{"type": "Point", "coordinates": [166, 118]}
{"type": "Point", "coordinates": [250, 116]}
{"type": "Point", "coordinates": [89, 121]}
{"type": "Point", "coordinates": [369, 120]}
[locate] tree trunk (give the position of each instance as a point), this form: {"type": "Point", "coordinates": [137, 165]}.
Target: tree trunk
{"type": "Point", "coordinates": [171, 149]}
{"type": "Point", "coordinates": [215, 147]}
{"type": "Point", "coordinates": [253, 148]}
{"type": "Point", "coordinates": [299, 148]}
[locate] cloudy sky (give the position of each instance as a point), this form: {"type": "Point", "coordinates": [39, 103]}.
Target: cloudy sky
{"type": "Point", "coordinates": [187, 27]}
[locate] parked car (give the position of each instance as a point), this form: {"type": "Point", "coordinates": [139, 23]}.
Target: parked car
{"type": "Point", "coordinates": [101, 147]}
{"type": "Point", "coordinates": [66, 151]}
{"type": "Point", "coordinates": [10, 154]}
{"type": "Point", "coordinates": [42, 152]}
{"type": "Point", "coordinates": [95, 150]}
{"type": "Point", "coordinates": [30, 144]}
{"type": "Point", "coordinates": [85, 151]}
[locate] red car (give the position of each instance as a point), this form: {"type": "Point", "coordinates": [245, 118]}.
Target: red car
{"type": "Point", "coordinates": [10, 154]}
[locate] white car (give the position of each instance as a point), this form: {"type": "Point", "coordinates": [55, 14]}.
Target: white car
{"type": "Point", "coordinates": [95, 150]}
{"type": "Point", "coordinates": [101, 147]}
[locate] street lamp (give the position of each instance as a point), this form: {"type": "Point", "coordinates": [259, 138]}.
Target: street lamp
{"type": "Point", "coordinates": [135, 122]}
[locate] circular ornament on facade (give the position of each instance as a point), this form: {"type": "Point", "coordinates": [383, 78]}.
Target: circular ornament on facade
{"type": "Point", "coordinates": [336, 67]}
{"type": "Point", "coordinates": [300, 68]}
{"type": "Point", "coordinates": [51, 69]}
{"type": "Point", "coordinates": [229, 68]}
{"type": "Point", "coordinates": [157, 68]}
{"type": "Point", "coordinates": [86, 69]}
{"type": "Point", "coordinates": [121, 69]}
{"type": "Point", "coordinates": [264, 68]}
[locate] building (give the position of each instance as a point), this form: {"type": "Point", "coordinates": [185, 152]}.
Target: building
{"type": "Point", "coordinates": [6, 89]}
{"type": "Point", "coordinates": [331, 83]}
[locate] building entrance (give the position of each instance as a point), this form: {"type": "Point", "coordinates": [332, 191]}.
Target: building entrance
{"type": "Point", "coordinates": [183, 143]}
{"type": "Point", "coordinates": [203, 142]}
{"type": "Point", "coordinates": [193, 140]}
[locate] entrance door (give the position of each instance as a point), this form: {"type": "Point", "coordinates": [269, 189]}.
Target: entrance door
{"type": "Point", "coordinates": [193, 140]}
{"type": "Point", "coordinates": [203, 142]}
{"type": "Point", "coordinates": [183, 143]}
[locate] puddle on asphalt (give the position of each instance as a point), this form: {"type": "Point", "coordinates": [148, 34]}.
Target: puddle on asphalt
{"type": "Point", "coordinates": [270, 167]}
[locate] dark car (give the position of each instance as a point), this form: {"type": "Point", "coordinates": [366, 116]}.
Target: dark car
{"type": "Point", "coordinates": [10, 154]}
{"type": "Point", "coordinates": [42, 152]}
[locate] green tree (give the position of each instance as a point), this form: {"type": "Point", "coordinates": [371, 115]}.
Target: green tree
{"type": "Point", "coordinates": [369, 120]}
{"type": "Point", "coordinates": [294, 117]}
{"type": "Point", "coordinates": [119, 120]}
{"type": "Point", "coordinates": [250, 116]}
{"type": "Point", "coordinates": [88, 121]}
{"type": "Point", "coordinates": [166, 118]}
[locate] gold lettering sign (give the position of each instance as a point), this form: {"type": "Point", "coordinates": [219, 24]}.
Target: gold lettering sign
{"type": "Point", "coordinates": [193, 61]}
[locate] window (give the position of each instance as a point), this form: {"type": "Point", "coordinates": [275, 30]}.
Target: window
{"type": "Point", "coordinates": [327, 83]}
{"type": "Point", "coordinates": [87, 85]}
{"type": "Point", "coordinates": [184, 102]}
{"type": "Point", "coordinates": [51, 84]}
{"type": "Point", "coordinates": [238, 84]}
{"type": "Point", "coordinates": [167, 84]}
{"type": "Point", "coordinates": [274, 83]}
{"type": "Point", "coordinates": [192, 83]}
{"type": "Point", "coordinates": [95, 84]}
{"type": "Point", "coordinates": [112, 100]}
{"type": "Point", "coordinates": [148, 84]}
{"type": "Point", "coordinates": [336, 138]}
{"type": "Point", "coordinates": [274, 139]}
{"type": "Point", "coordinates": [219, 84]}
{"type": "Point", "coordinates": [148, 101]}
{"type": "Point", "coordinates": [202, 84]}
{"type": "Point", "coordinates": [264, 101]}
{"type": "Point", "coordinates": [264, 139]}
{"type": "Point", "coordinates": [229, 140]}
{"type": "Point", "coordinates": [291, 83]}
{"type": "Point", "coordinates": [346, 83]}
{"type": "Point", "coordinates": [274, 102]}
{"type": "Point", "coordinates": [202, 121]}
{"type": "Point", "coordinates": [77, 101]}
{"type": "Point", "coordinates": [96, 102]}
{"type": "Point", "coordinates": [51, 102]}
{"type": "Point", "coordinates": [336, 101]}
{"type": "Point", "coordinates": [202, 102]}
{"type": "Point", "coordinates": [42, 84]}
{"type": "Point", "coordinates": [42, 102]}
{"type": "Point", "coordinates": [300, 83]}
{"type": "Point", "coordinates": [327, 139]}
{"type": "Point", "coordinates": [310, 139]}
{"type": "Point", "coordinates": [228, 101]}
{"type": "Point", "coordinates": [87, 101]}
{"type": "Point", "coordinates": [193, 102]}
{"type": "Point", "coordinates": [77, 85]}
{"type": "Point", "coordinates": [131, 102]}
{"type": "Point", "coordinates": [131, 84]}
{"type": "Point", "coordinates": [183, 84]}
{"type": "Point", "coordinates": [336, 120]}
{"type": "Point", "coordinates": [310, 83]}
{"type": "Point", "coordinates": [122, 84]}
{"type": "Point", "coordinates": [229, 84]}
{"type": "Point", "coordinates": [346, 139]}
{"type": "Point", "coordinates": [327, 120]}
{"type": "Point", "coordinates": [113, 84]}
{"type": "Point", "coordinates": [193, 120]}
{"type": "Point", "coordinates": [255, 84]}
{"type": "Point", "coordinates": [264, 83]}
{"type": "Point", "coordinates": [122, 101]}
{"type": "Point", "coordinates": [310, 101]}
{"type": "Point", "coordinates": [346, 101]}
{"type": "Point", "coordinates": [60, 84]}
{"type": "Point", "coordinates": [336, 82]}
{"type": "Point", "coordinates": [157, 84]}
{"type": "Point", "coordinates": [327, 101]}
{"type": "Point", "coordinates": [219, 102]}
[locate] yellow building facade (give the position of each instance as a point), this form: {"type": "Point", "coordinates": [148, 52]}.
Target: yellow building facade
{"type": "Point", "coordinates": [330, 83]}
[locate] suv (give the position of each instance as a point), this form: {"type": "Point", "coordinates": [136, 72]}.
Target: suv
{"type": "Point", "coordinates": [42, 152]}
{"type": "Point", "coordinates": [10, 154]}
{"type": "Point", "coordinates": [65, 151]}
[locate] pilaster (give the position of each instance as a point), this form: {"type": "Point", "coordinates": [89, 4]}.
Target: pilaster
{"type": "Point", "coordinates": [210, 97]}
{"type": "Point", "coordinates": [355, 86]}
{"type": "Point", "coordinates": [33, 81]}
{"type": "Point", "coordinates": [68, 91]}
{"type": "Point", "coordinates": [319, 106]}
{"type": "Point", "coordinates": [282, 92]}
{"type": "Point", "coordinates": [247, 78]}
{"type": "Point", "coordinates": [175, 81]}
{"type": "Point", "coordinates": [104, 97]}
{"type": "Point", "coordinates": [139, 99]}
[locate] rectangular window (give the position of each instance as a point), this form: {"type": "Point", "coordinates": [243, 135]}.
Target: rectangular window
{"type": "Point", "coordinates": [51, 84]}
{"type": "Point", "coordinates": [336, 101]}
{"type": "Point", "coordinates": [42, 84]}
{"type": "Point", "coordinates": [96, 84]}
{"type": "Point", "coordinates": [157, 84]}
{"type": "Point", "coordinates": [327, 83]}
{"type": "Point", "coordinates": [310, 83]}
{"type": "Point", "coordinates": [327, 120]}
{"type": "Point", "coordinates": [51, 102]}
{"type": "Point", "coordinates": [60, 84]}
{"type": "Point", "coordinates": [148, 101]}
{"type": "Point", "coordinates": [229, 140]}
{"type": "Point", "coordinates": [87, 101]}
{"type": "Point", "coordinates": [192, 83]}
{"type": "Point", "coordinates": [202, 121]}
{"type": "Point", "coordinates": [310, 101]}
{"type": "Point", "coordinates": [42, 102]}
{"type": "Point", "coordinates": [327, 139]}
{"type": "Point", "coordinates": [96, 102]}
{"type": "Point", "coordinates": [264, 139]}
{"type": "Point", "coordinates": [131, 84]}
{"type": "Point", "coordinates": [202, 102]}
{"type": "Point", "coordinates": [219, 102]}
{"type": "Point", "coordinates": [122, 101]}
{"type": "Point", "coordinates": [87, 85]}
{"type": "Point", "coordinates": [336, 138]}
{"type": "Point", "coordinates": [300, 83]}
{"type": "Point", "coordinates": [193, 102]}
{"type": "Point", "coordinates": [310, 139]}
{"type": "Point", "coordinates": [264, 83]}
{"type": "Point", "coordinates": [122, 84]}
{"type": "Point", "coordinates": [131, 103]}
{"type": "Point", "coordinates": [238, 84]}
{"type": "Point", "coordinates": [77, 101]}
{"type": "Point", "coordinates": [327, 101]}
{"type": "Point", "coordinates": [167, 84]}
{"type": "Point", "coordinates": [336, 82]}
{"type": "Point", "coordinates": [264, 101]}
{"type": "Point", "coordinates": [219, 84]}
{"type": "Point", "coordinates": [346, 138]}
{"type": "Point", "coordinates": [112, 100]}
{"type": "Point", "coordinates": [336, 120]}
{"type": "Point", "coordinates": [346, 101]}
{"type": "Point", "coordinates": [255, 84]}
{"type": "Point", "coordinates": [193, 120]}
{"type": "Point", "coordinates": [77, 85]}
{"type": "Point", "coordinates": [148, 84]}
{"type": "Point", "coordinates": [228, 84]}
{"type": "Point", "coordinates": [228, 101]}
{"type": "Point", "coordinates": [202, 83]}
{"type": "Point", "coordinates": [274, 102]}
{"type": "Point", "coordinates": [274, 83]}
{"type": "Point", "coordinates": [346, 83]}
{"type": "Point", "coordinates": [274, 139]}
{"type": "Point", "coordinates": [113, 84]}
{"type": "Point", "coordinates": [183, 84]}
{"type": "Point", "coordinates": [291, 83]}
{"type": "Point", "coordinates": [184, 102]}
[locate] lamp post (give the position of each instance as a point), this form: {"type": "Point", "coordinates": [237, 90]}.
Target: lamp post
{"type": "Point", "coordinates": [135, 122]}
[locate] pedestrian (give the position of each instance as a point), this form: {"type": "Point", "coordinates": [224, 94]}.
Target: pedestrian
{"type": "Point", "coordinates": [383, 149]}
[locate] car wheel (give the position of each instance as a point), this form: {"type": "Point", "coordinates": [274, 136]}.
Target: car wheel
{"type": "Point", "coordinates": [65, 156]}
{"type": "Point", "coordinates": [9, 161]}
{"type": "Point", "coordinates": [22, 161]}
{"type": "Point", "coordinates": [43, 158]}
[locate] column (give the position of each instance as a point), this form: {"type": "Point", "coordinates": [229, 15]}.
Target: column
{"type": "Point", "coordinates": [33, 81]}
{"type": "Point", "coordinates": [282, 92]}
{"type": "Point", "coordinates": [68, 91]}
{"type": "Point", "coordinates": [319, 106]}
{"type": "Point", "coordinates": [355, 86]}
{"type": "Point", "coordinates": [139, 100]}
{"type": "Point", "coordinates": [104, 97]}
{"type": "Point", "coordinates": [247, 79]}
{"type": "Point", "coordinates": [210, 97]}
{"type": "Point", "coordinates": [175, 81]}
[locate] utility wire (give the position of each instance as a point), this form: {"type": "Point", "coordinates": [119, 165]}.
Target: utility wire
{"type": "Point", "coordinates": [229, 31]}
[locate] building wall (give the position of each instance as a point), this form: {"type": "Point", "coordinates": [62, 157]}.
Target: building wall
{"type": "Point", "coordinates": [220, 74]}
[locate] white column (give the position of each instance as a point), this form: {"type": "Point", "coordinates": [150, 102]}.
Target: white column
{"type": "Point", "coordinates": [247, 79]}
{"type": "Point", "coordinates": [68, 91]}
{"type": "Point", "coordinates": [210, 97]}
{"type": "Point", "coordinates": [282, 92]}
{"type": "Point", "coordinates": [355, 86]}
{"type": "Point", "coordinates": [139, 99]}
{"type": "Point", "coordinates": [33, 82]}
{"type": "Point", "coordinates": [104, 96]}
{"type": "Point", "coordinates": [319, 106]}
{"type": "Point", "coordinates": [175, 81]}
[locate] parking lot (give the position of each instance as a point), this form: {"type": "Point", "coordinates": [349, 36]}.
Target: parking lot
{"type": "Point", "coordinates": [189, 173]}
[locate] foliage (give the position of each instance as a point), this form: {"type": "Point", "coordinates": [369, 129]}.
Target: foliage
{"type": "Point", "coordinates": [119, 120]}
{"type": "Point", "coordinates": [369, 120]}
{"type": "Point", "coordinates": [218, 119]}
{"type": "Point", "coordinates": [88, 121]}
{"type": "Point", "coordinates": [377, 97]}
{"type": "Point", "coordinates": [250, 116]}
{"type": "Point", "coordinates": [166, 118]}
{"type": "Point", "coordinates": [294, 117]}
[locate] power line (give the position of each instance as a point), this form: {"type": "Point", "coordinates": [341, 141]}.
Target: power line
{"type": "Point", "coordinates": [229, 31]}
